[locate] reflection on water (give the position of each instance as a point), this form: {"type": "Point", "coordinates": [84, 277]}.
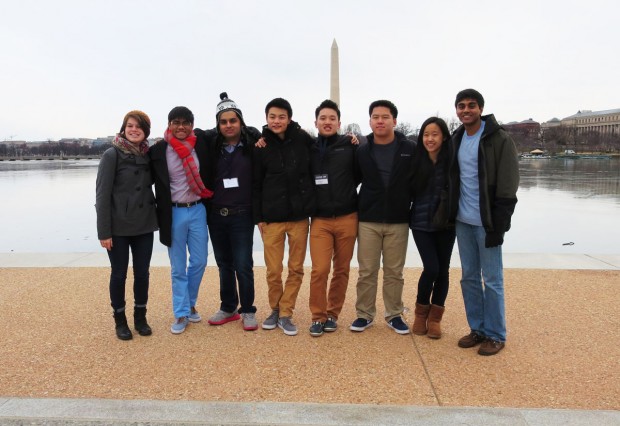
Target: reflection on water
{"type": "Point", "coordinates": [48, 206]}
{"type": "Point", "coordinates": [582, 177]}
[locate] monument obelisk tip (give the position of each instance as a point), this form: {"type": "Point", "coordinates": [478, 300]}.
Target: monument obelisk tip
{"type": "Point", "coordinates": [334, 92]}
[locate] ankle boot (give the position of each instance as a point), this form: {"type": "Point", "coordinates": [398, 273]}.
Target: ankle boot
{"type": "Point", "coordinates": [419, 323]}
{"type": "Point", "coordinates": [434, 320]}
{"type": "Point", "coordinates": [139, 321]}
{"type": "Point", "coordinates": [122, 329]}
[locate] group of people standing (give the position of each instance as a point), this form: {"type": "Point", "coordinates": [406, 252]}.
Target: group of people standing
{"type": "Point", "coordinates": [222, 182]}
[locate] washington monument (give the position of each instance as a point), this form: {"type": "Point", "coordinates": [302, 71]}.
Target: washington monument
{"type": "Point", "coordinates": [334, 92]}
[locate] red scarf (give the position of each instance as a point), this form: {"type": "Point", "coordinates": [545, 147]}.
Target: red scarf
{"type": "Point", "coordinates": [184, 150]}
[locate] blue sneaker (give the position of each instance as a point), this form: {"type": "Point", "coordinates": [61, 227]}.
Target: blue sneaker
{"type": "Point", "coordinates": [179, 325]}
{"type": "Point", "coordinates": [360, 324]}
{"type": "Point", "coordinates": [330, 325]}
{"type": "Point", "coordinates": [194, 316]}
{"type": "Point", "coordinates": [398, 325]}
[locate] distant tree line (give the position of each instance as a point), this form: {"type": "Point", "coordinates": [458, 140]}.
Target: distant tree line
{"type": "Point", "coordinates": [52, 149]}
{"type": "Point", "coordinates": [560, 138]}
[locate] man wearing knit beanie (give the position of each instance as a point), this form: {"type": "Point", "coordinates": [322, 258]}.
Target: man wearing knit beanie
{"type": "Point", "coordinates": [230, 217]}
{"type": "Point", "coordinates": [227, 104]}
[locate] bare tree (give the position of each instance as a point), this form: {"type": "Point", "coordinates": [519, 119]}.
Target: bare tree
{"type": "Point", "coordinates": [406, 129]}
{"type": "Point", "coordinates": [453, 123]}
{"type": "Point", "coordinates": [353, 128]}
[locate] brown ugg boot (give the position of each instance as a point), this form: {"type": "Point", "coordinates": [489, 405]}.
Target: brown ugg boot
{"type": "Point", "coordinates": [419, 323]}
{"type": "Point", "coordinates": [434, 320]}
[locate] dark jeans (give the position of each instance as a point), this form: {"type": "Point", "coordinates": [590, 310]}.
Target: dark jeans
{"type": "Point", "coordinates": [141, 251]}
{"type": "Point", "coordinates": [435, 249]}
{"type": "Point", "coordinates": [232, 238]}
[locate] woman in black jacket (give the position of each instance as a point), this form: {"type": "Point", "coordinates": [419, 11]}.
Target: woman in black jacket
{"type": "Point", "coordinates": [126, 218]}
{"type": "Point", "coordinates": [432, 234]}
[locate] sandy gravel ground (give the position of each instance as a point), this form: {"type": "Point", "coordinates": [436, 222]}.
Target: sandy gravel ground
{"type": "Point", "coordinates": [563, 351]}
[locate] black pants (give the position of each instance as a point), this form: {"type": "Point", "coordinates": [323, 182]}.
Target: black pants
{"type": "Point", "coordinates": [141, 251]}
{"type": "Point", "coordinates": [435, 249]}
{"type": "Point", "coordinates": [232, 238]}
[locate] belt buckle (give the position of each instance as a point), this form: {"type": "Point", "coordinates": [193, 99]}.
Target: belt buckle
{"type": "Point", "coordinates": [224, 212]}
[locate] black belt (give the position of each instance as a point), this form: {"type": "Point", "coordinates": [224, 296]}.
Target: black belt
{"type": "Point", "coordinates": [227, 211]}
{"type": "Point", "coordinates": [193, 203]}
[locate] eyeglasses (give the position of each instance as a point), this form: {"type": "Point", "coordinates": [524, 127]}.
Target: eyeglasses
{"type": "Point", "coordinates": [179, 123]}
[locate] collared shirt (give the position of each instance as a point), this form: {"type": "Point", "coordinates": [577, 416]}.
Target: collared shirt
{"type": "Point", "coordinates": [179, 188]}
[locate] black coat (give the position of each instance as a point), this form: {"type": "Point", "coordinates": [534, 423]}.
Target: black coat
{"type": "Point", "coordinates": [337, 161]}
{"type": "Point", "coordinates": [161, 178]}
{"type": "Point", "coordinates": [282, 185]}
{"type": "Point", "coordinates": [378, 203]}
{"type": "Point", "coordinates": [426, 202]}
{"type": "Point", "coordinates": [498, 176]}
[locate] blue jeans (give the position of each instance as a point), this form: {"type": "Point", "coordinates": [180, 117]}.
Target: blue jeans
{"type": "Point", "coordinates": [484, 305]}
{"type": "Point", "coordinates": [189, 233]}
{"type": "Point", "coordinates": [233, 240]}
{"type": "Point", "coordinates": [141, 250]}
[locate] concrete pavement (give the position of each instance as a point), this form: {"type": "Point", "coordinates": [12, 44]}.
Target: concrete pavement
{"type": "Point", "coordinates": [97, 411]}
{"type": "Point", "coordinates": [18, 411]}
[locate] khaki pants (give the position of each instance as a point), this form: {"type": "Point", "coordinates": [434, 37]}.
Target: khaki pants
{"type": "Point", "coordinates": [330, 239]}
{"type": "Point", "coordinates": [375, 240]}
{"type": "Point", "coordinates": [284, 298]}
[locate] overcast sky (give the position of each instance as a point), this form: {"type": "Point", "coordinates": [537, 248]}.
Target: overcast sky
{"type": "Point", "coordinates": [74, 68]}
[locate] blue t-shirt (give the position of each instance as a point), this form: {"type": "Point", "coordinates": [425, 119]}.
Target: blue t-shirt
{"type": "Point", "coordinates": [469, 200]}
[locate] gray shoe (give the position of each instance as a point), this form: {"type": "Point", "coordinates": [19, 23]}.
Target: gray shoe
{"type": "Point", "coordinates": [272, 320]}
{"type": "Point", "coordinates": [179, 325]}
{"type": "Point", "coordinates": [249, 321]}
{"type": "Point", "coordinates": [287, 326]}
{"type": "Point", "coordinates": [221, 317]}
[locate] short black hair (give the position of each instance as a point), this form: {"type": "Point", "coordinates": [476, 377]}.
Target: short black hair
{"type": "Point", "coordinates": [280, 103]}
{"type": "Point", "coordinates": [181, 112]}
{"type": "Point", "coordinates": [327, 103]}
{"type": "Point", "coordinates": [383, 103]}
{"type": "Point", "coordinates": [469, 94]}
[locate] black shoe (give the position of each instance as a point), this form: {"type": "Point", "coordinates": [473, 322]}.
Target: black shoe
{"type": "Point", "coordinates": [360, 324]}
{"type": "Point", "coordinates": [122, 329]}
{"type": "Point", "coordinates": [139, 321]}
{"type": "Point", "coordinates": [316, 329]}
{"type": "Point", "coordinates": [330, 325]}
{"type": "Point", "coordinates": [398, 325]}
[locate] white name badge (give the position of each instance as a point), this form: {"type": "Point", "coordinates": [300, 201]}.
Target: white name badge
{"type": "Point", "coordinates": [320, 179]}
{"type": "Point", "coordinates": [231, 183]}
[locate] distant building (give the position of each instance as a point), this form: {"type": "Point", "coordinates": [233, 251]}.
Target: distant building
{"type": "Point", "coordinates": [528, 128]}
{"type": "Point", "coordinates": [79, 141]}
{"type": "Point", "coordinates": [103, 140]}
{"type": "Point", "coordinates": [554, 122]}
{"type": "Point", "coordinates": [605, 122]}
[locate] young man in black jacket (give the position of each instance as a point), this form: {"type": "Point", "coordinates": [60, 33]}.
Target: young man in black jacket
{"type": "Point", "coordinates": [334, 225]}
{"type": "Point", "coordinates": [483, 195]}
{"type": "Point", "coordinates": [231, 224]}
{"type": "Point", "coordinates": [385, 164]}
{"type": "Point", "coordinates": [283, 200]}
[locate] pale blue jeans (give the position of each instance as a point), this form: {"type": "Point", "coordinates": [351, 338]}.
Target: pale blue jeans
{"type": "Point", "coordinates": [189, 234]}
{"type": "Point", "coordinates": [482, 282]}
